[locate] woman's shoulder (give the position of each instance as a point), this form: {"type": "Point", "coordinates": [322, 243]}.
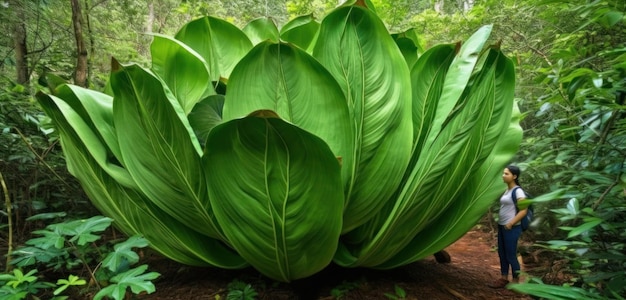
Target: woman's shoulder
{"type": "Point", "coordinates": [519, 192]}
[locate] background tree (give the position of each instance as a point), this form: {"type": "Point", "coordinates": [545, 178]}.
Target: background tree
{"type": "Point", "coordinates": [80, 72]}
{"type": "Point", "coordinates": [20, 47]}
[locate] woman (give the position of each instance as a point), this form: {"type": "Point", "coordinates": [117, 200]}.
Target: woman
{"type": "Point", "coordinates": [509, 228]}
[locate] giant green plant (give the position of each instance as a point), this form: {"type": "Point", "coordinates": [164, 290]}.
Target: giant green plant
{"type": "Point", "coordinates": [284, 158]}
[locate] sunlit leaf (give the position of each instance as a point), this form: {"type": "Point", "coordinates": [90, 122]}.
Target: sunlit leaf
{"type": "Point", "coordinates": [167, 168]}
{"type": "Point", "coordinates": [262, 29]}
{"type": "Point", "coordinates": [182, 69]}
{"type": "Point", "coordinates": [279, 77]}
{"type": "Point", "coordinates": [588, 225]}
{"type": "Point", "coordinates": [301, 31]}
{"type": "Point", "coordinates": [220, 43]}
{"type": "Point", "coordinates": [375, 79]}
{"type": "Point", "coordinates": [284, 185]}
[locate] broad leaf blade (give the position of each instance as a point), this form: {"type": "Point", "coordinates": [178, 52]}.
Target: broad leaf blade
{"type": "Point", "coordinates": [262, 29]}
{"type": "Point", "coordinates": [278, 188]}
{"type": "Point", "coordinates": [160, 149]}
{"type": "Point", "coordinates": [220, 43]}
{"type": "Point", "coordinates": [206, 115]}
{"type": "Point", "coordinates": [301, 31]}
{"type": "Point", "coordinates": [457, 79]}
{"type": "Point", "coordinates": [96, 110]}
{"type": "Point", "coordinates": [411, 34]}
{"type": "Point", "coordinates": [427, 84]}
{"type": "Point", "coordinates": [356, 48]}
{"type": "Point", "coordinates": [182, 69]}
{"type": "Point", "coordinates": [280, 77]}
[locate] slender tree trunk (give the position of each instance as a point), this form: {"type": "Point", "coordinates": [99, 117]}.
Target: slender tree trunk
{"type": "Point", "coordinates": [144, 39]}
{"type": "Point", "coordinates": [468, 5]}
{"type": "Point", "coordinates": [21, 50]}
{"type": "Point", "coordinates": [92, 42]}
{"type": "Point", "coordinates": [80, 73]}
{"type": "Point", "coordinates": [439, 6]}
{"type": "Point", "coordinates": [150, 21]}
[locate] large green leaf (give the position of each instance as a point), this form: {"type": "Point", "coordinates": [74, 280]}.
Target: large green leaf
{"type": "Point", "coordinates": [412, 35]}
{"type": "Point", "coordinates": [439, 174]}
{"type": "Point", "coordinates": [159, 148]}
{"type": "Point", "coordinates": [96, 110]}
{"type": "Point", "coordinates": [132, 211]}
{"type": "Point", "coordinates": [279, 190]}
{"type": "Point", "coordinates": [456, 80]}
{"type": "Point", "coordinates": [301, 31]}
{"type": "Point", "coordinates": [220, 43]}
{"type": "Point", "coordinates": [408, 49]}
{"type": "Point", "coordinates": [427, 81]}
{"type": "Point", "coordinates": [279, 77]}
{"type": "Point", "coordinates": [182, 69]}
{"type": "Point", "coordinates": [206, 115]}
{"type": "Point", "coordinates": [262, 29]}
{"type": "Point", "coordinates": [356, 48]}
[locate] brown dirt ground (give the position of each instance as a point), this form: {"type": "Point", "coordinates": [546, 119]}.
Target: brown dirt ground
{"type": "Point", "coordinates": [473, 265]}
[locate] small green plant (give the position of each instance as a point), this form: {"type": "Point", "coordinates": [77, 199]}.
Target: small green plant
{"type": "Point", "coordinates": [239, 290]}
{"type": "Point", "coordinates": [71, 244]}
{"type": "Point", "coordinates": [72, 280]}
{"type": "Point", "coordinates": [344, 288]}
{"type": "Point", "coordinates": [17, 285]}
{"type": "Point", "coordinates": [136, 279]}
{"type": "Point", "coordinates": [400, 294]}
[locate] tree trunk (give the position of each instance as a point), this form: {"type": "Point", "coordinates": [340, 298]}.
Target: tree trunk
{"type": "Point", "coordinates": [468, 5]}
{"type": "Point", "coordinates": [439, 6]}
{"type": "Point", "coordinates": [92, 42]}
{"type": "Point", "coordinates": [80, 73]}
{"type": "Point", "coordinates": [21, 50]}
{"type": "Point", "coordinates": [150, 21]}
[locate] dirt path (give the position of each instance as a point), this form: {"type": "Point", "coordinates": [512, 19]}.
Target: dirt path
{"type": "Point", "coordinates": [474, 264]}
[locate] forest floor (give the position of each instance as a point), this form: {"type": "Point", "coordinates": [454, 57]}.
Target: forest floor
{"type": "Point", "coordinates": [474, 264]}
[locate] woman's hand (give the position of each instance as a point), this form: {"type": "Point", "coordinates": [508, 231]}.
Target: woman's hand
{"type": "Point", "coordinates": [508, 226]}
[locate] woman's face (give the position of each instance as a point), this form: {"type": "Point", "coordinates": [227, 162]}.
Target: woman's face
{"type": "Point", "coordinates": [507, 176]}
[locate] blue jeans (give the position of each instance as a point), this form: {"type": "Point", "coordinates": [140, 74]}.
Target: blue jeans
{"type": "Point", "coordinates": [507, 249]}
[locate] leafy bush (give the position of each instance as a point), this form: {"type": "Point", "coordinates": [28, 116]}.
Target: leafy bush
{"type": "Point", "coordinates": [33, 176]}
{"type": "Point", "coordinates": [579, 131]}
{"type": "Point", "coordinates": [238, 290]}
{"type": "Point", "coordinates": [315, 143]}
{"type": "Point", "coordinates": [63, 247]}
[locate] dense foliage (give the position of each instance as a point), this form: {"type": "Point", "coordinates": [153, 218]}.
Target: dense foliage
{"type": "Point", "coordinates": [420, 143]}
{"type": "Point", "coordinates": [577, 141]}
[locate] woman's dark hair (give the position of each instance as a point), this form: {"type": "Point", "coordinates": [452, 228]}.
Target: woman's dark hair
{"type": "Point", "coordinates": [515, 171]}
